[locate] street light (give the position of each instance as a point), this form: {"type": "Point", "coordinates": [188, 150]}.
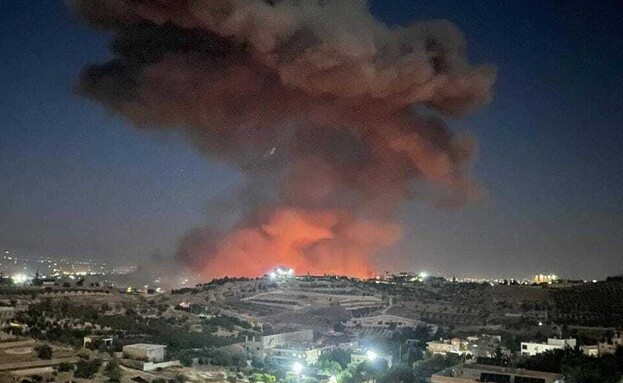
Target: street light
{"type": "Point", "coordinates": [297, 368]}
{"type": "Point", "coordinates": [20, 278]}
{"type": "Point", "coordinates": [371, 355]}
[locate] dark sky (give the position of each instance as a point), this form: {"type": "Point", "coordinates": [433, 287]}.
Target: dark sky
{"type": "Point", "coordinates": [77, 182]}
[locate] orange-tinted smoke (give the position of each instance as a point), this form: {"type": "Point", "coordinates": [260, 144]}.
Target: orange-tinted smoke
{"type": "Point", "coordinates": [319, 242]}
{"type": "Point", "coordinates": [313, 101]}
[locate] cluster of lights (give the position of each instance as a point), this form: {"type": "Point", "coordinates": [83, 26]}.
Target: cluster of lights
{"type": "Point", "coordinates": [550, 278]}
{"type": "Point", "coordinates": [20, 278]}
{"type": "Point", "coordinates": [281, 272]}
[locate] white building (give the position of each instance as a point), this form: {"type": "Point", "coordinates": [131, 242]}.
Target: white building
{"type": "Point", "coordinates": [467, 373]}
{"type": "Point", "coordinates": [383, 321]}
{"type": "Point", "coordinates": [7, 314]}
{"type": "Point", "coordinates": [590, 350]}
{"type": "Point", "coordinates": [610, 347]}
{"type": "Point", "coordinates": [532, 349]}
{"type": "Point", "coordinates": [450, 346]}
{"type": "Point", "coordinates": [97, 339]}
{"type": "Point", "coordinates": [144, 352]}
{"type": "Point", "coordinates": [303, 353]}
{"type": "Point", "coordinates": [478, 346]}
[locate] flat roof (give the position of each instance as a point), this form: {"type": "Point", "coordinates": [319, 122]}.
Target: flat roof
{"type": "Point", "coordinates": [145, 346]}
{"type": "Point", "coordinates": [496, 369]}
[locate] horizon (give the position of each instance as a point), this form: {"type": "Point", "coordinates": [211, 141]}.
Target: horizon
{"type": "Point", "coordinates": [81, 182]}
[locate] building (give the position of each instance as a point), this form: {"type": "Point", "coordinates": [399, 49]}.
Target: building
{"type": "Point", "coordinates": [464, 373]}
{"type": "Point", "coordinates": [96, 341]}
{"type": "Point", "coordinates": [304, 353]}
{"type": "Point", "coordinates": [7, 314]}
{"type": "Point", "coordinates": [383, 322]}
{"type": "Point", "coordinates": [287, 348]}
{"type": "Point", "coordinates": [260, 345]}
{"type": "Point", "coordinates": [610, 346]}
{"type": "Point", "coordinates": [479, 346]}
{"type": "Point", "coordinates": [541, 278]}
{"type": "Point", "coordinates": [144, 352]}
{"type": "Point", "coordinates": [591, 350]}
{"type": "Point", "coordinates": [532, 349]}
{"type": "Point", "coordinates": [450, 346]}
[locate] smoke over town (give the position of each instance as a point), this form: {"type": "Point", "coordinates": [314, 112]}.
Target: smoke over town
{"type": "Point", "coordinates": [313, 101]}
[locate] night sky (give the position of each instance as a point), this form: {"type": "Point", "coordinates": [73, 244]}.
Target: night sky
{"type": "Point", "coordinates": [78, 182]}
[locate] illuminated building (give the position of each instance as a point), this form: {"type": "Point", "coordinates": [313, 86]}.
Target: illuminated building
{"type": "Point", "coordinates": [532, 349]}
{"type": "Point", "coordinates": [542, 278]}
{"type": "Point", "coordinates": [480, 373]}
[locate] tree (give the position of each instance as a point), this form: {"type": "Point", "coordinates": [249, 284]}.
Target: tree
{"type": "Point", "coordinates": [263, 378]}
{"type": "Point", "coordinates": [87, 369]}
{"type": "Point", "coordinates": [113, 371]}
{"type": "Point", "coordinates": [329, 367]}
{"type": "Point", "coordinates": [369, 371]}
{"type": "Point", "coordinates": [186, 360]}
{"type": "Point", "coordinates": [399, 374]}
{"type": "Point", "coordinates": [339, 327]}
{"type": "Point", "coordinates": [65, 366]}
{"type": "Point", "coordinates": [257, 362]}
{"type": "Point", "coordinates": [338, 355]}
{"type": "Point", "coordinates": [423, 369]}
{"type": "Point", "coordinates": [44, 351]}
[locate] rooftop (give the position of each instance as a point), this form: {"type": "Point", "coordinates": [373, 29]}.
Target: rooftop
{"type": "Point", "coordinates": [458, 371]}
{"type": "Point", "coordinates": [146, 346]}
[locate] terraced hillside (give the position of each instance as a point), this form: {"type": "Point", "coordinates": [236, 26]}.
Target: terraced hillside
{"type": "Point", "coordinates": [590, 304]}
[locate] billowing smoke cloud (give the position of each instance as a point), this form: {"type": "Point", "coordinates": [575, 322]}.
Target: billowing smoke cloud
{"type": "Point", "coordinates": [313, 100]}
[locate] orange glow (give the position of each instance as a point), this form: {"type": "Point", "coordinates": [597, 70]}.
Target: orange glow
{"type": "Point", "coordinates": [326, 242]}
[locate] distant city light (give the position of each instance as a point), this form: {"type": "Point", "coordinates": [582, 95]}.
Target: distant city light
{"type": "Point", "coordinates": [423, 275]}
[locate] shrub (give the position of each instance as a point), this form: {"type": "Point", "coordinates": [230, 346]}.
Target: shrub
{"type": "Point", "coordinates": [44, 351]}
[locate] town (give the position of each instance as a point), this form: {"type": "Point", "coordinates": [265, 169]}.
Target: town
{"type": "Point", "coordinates": [284, 327]}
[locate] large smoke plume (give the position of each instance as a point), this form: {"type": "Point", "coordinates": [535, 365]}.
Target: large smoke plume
{"type": "Point", "coordinates": [313, 100]}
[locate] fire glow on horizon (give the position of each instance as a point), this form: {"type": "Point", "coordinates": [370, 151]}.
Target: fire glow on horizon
{"type": "Point", "coordinates": [313, 101]}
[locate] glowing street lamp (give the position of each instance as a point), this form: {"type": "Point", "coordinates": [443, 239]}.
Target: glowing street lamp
{"type": "Point", "coordinates": [297, 368]}
{"type": "Point", "coordinates": [371, 355]}
{"type": "Point", "coordinates": [20, 278]}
